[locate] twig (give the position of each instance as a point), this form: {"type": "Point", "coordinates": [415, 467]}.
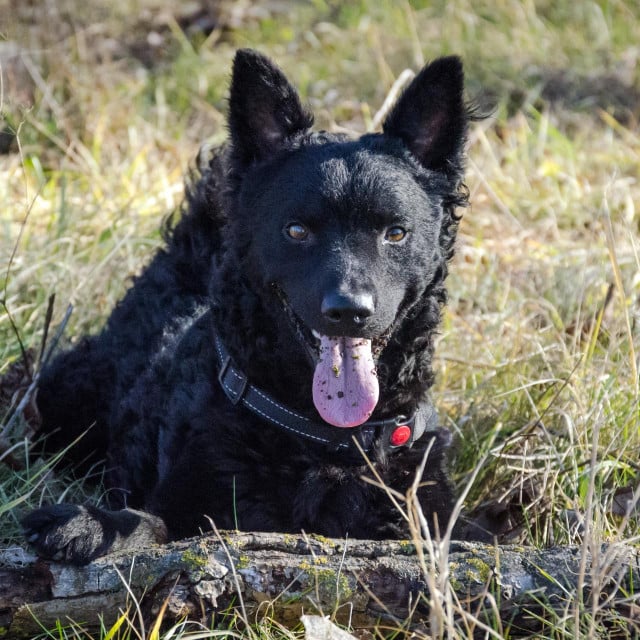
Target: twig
{"type": "Point", "coordinates": [45, 333]}
{"type": "Point", "coordinates": [12, 257]}
{"type": "Point", "coordinates": [36, 377]}
{"type": "Point", "coordinates": [401, 82]}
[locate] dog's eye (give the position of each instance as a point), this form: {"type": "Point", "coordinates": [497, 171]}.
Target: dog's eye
{"type": "Point", "coordinates": [296, 231]}
{"type": "Point", "coordinates": [395, 234]}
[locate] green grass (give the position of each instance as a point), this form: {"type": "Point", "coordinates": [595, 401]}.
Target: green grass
{"type": "Point", "coordinates": [538, 359]}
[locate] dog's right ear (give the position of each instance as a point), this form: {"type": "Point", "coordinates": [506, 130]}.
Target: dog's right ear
{"type": "Point", "coordinates": [264, 109]}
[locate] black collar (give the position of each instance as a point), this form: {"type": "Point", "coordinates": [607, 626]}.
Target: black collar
{"type": "Point", "coordinates": [392, 433]}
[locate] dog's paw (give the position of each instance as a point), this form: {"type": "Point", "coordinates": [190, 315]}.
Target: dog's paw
{"type": "Point", "coordinates": [64, 532]}
{"type": "Point", "coordinates": [78, 535]}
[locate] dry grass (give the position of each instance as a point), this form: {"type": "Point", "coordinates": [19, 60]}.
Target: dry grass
{"type": "Point", "coordinates": [538, 361]}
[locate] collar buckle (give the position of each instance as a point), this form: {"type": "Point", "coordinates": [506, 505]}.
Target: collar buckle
{"type": "Point", "coordinates": [233, 381]}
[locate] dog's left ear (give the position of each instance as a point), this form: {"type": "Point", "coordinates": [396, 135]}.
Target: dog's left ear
{"type": "Point", "coordinates": [264, 109]}
{"type": "Point", "coordinates": [430, 116]}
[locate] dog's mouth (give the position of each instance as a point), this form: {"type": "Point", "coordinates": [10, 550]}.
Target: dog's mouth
{"type": "Point", "coordinates": [345, 381]}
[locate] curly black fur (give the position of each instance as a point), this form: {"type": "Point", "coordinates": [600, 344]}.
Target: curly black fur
{"type": "Point", "coordinates": [175, 446]}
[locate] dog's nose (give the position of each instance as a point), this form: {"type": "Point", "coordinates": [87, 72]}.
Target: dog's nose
{"type": "Point", "coordinates": [347, 309]}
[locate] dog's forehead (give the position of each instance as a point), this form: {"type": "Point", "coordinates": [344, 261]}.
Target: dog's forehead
{"type": "Point", "coordinates": [349, 169]}
{"type": "Point", "coordinates": [371, 178]}
{"type": "Point", "coordinates": [352, 179]}
{"type": "Point", "coordinates": [359, 169]}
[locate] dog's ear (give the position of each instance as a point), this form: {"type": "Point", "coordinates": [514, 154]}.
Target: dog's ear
{"type": "Point", "coordinates": [264, 109]}
{"type": "Point", "coordinates": [430, 116]}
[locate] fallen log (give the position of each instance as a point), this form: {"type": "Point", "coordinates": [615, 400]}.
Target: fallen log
{"type": "Point", "coordinates": [361, 583]}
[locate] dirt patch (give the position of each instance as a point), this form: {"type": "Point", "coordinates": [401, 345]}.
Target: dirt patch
{"type": "Point", "coordinates": [567, 90]}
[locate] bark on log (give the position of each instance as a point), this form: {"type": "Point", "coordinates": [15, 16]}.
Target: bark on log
{"type": "Point", "coordinates": [364, 582]}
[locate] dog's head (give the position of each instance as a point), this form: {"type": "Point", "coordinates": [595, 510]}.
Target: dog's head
{"type": "Point", "coordinates": [347, 234]}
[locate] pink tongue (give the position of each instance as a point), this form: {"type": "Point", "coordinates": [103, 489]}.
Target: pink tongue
{"type": "Point", "coordinates": [345, 384]}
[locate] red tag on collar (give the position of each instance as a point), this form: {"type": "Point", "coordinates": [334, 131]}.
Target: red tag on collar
{"type": "Point", "coordinates": [400, 435]}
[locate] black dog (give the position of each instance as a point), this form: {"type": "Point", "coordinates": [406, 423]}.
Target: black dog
{"type": "Point", "coordinates": [286, 330]}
